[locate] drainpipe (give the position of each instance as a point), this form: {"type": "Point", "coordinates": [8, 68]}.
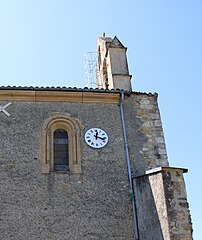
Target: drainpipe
{"type": "Point", "coordinates": [131, 190]}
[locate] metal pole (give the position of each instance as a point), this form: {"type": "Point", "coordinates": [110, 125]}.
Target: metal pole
{"type": "Point", "coordinates": [131, 190]}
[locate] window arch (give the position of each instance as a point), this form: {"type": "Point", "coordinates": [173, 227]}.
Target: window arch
{"type": "Point", "coordinates": [61, 144]}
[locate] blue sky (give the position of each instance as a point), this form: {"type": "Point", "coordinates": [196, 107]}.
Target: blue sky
{"type": "Point", "coordinates": [43, 42]}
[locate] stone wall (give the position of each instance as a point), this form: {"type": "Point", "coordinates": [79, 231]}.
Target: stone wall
{"type": "Point", "coordinates": [162, 208]}
{"type": "Point", "coordinates": [95, 203]}
{"type": "Point", "coordinates": [92, 205]}
{"type": "Point", "coordinates": [179, 219]}
{"type": "Point", "coordinates": [145, 132]}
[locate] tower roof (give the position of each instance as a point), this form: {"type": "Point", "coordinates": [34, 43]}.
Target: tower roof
{"type": "Point", "coordinates": [116, 43]}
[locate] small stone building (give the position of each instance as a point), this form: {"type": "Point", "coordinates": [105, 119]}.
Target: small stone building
{"type": "Point", "coordinates": [86, 164]}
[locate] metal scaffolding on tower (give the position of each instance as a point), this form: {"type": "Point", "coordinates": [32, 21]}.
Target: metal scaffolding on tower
{"type": "Point", "coordinates": [90, 69]}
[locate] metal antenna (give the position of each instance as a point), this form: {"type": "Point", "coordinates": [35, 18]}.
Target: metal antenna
{"type": "Point", "coordinates": [90, 69]}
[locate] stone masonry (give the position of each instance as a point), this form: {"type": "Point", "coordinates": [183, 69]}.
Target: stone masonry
{"type": "Point", "coordinates": [90, 205]}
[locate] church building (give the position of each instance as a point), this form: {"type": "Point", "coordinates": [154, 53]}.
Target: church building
{"type": "Point", "coordinates": [88, 164]}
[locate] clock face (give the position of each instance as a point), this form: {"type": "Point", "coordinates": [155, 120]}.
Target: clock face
{"type": "Point", "coordinates": [96, 138]}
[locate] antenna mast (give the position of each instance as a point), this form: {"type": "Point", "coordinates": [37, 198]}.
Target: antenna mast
{"type": "Point", "coordinates": [90, 69]}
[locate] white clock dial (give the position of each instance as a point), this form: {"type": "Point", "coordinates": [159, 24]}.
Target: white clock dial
{"type": "Point", "coordinates": [96, 137]}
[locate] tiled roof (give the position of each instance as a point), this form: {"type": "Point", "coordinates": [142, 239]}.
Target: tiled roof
{"type": "Point", "coordinates": [72, 89]}
{"type": "Point", "coordinates": [56, 89]}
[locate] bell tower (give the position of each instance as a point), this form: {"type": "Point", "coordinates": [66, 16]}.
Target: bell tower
{"type": "Point", "coordinates": [112, 66]}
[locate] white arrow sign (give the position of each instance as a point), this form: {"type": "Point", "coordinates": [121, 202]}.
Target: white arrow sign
{"type": "Point", "coordinates": [2, 109]}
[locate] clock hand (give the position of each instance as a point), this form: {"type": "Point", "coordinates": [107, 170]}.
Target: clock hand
{"type": "Point", "coordinates": [102, 138]}
{"type": "Point", "coordinates": [96, 135]}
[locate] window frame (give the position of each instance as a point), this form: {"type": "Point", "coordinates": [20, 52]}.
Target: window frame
{"type": "Point", "coordinates": [74, 129]}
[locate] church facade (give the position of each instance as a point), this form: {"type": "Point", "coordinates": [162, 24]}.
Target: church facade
{"type": "Point", "coordinates": [88, 163]}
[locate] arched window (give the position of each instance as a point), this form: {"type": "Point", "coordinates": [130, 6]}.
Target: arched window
{"type": "Point", "coordinates": [61, 144]}
{"type": "Point", "coordinates": [61, 152]}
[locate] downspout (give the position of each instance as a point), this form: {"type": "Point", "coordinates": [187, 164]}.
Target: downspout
{"type": "Point", "coordinates": [131, 190]}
